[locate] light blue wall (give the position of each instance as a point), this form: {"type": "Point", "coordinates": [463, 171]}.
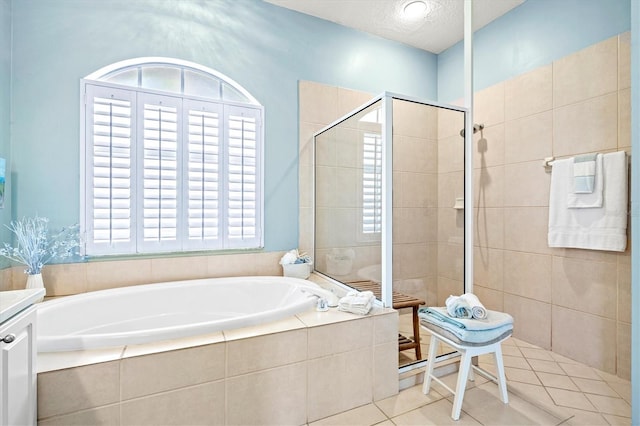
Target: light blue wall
{"type": "Point", "coordinates": [266, 49]}
{"type": "Point", "coordinates": [5, 113]}
{"type": "Point", "coordinates": [635, 212]}
{"type": "Point", "coordinates": [533, 34]}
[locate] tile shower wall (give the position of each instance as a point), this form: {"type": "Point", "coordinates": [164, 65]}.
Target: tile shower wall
{"type": "Point", "coordinates": [574, 302]}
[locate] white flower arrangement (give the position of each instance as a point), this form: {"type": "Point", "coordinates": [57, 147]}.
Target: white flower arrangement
{"type": "Point", "coordinates": [294, 257]}
{"type": "Point", "coordinates": [36, 247]}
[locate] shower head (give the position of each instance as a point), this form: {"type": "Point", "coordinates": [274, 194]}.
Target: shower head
{"type": "Point", "coordinates": [476, 129]}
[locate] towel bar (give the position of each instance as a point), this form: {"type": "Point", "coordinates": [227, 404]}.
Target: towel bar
{"type": "Point", "coordinates": [548, 162]}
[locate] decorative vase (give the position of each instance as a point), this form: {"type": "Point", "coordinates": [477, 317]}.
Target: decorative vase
{"type": "Point", "coordinates": [35, 281]}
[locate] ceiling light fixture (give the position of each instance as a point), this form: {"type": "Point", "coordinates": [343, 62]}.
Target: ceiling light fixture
{"type": "Point", "coordinates": [415, 9]}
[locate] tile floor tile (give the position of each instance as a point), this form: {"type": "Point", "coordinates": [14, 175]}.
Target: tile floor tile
{"type": "Point", "coordinates": [582, 418]}
{"type": "Point", "coordinates": [617, 420]}
{"type": "Point", "coordinates": [523, 376]}
{"type": "Point", "coordinates": [580, 370]}
{"type": "Point", "coordinates": [407, 400]}
{"type": "Point", "coordinates": [366, 415]}
{"type": "Point", "coordinates": [515, 362]}
{"type": "Point", "coordinates": [570, 399]}
{"type": "Point", "coordinates": [608, 405]}
{"type": "Point", "coordinates": [531, 353]}
{"type": "Point", "coordinates": [595, 386]}
{"type": "Point", "coordinates": [557, 381]}
{"type": "Point", "coordinates": [438, 413]}
{"type": "Point", "coordinates": [546, 366]}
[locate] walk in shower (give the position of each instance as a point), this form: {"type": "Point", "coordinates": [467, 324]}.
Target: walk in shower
{"type": "Point", "coordinates": [389, 188]}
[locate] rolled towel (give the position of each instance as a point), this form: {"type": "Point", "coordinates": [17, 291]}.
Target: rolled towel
{"type": "Point", "coordinates": [478, 311]}
{"type": "Point", "coordinates": [458, 307]}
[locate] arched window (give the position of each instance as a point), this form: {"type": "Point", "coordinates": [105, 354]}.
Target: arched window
{"type": "Point", "coordinates": [172, 159]}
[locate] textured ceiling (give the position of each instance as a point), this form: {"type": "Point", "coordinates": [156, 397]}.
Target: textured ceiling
{"type": "Point", "coordinates": [439, 30]}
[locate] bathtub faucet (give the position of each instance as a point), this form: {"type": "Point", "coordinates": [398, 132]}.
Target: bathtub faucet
{"type": "Point", "coordinates": [331, 298]}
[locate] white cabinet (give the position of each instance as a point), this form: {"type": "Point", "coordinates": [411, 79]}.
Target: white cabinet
{"type": "Point", "coordinates": [18, 377]}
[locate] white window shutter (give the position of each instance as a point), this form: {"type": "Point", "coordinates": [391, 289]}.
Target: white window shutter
{"type": "Point", "coordinates": [109, 186]}
{"type": "Point", "coordinates": [243, 160]}
{"type": "Point", "coordinates": [202, 180]}
{"type": "Point", "coordinates": [159, 158]}
{"type": "Point", "coordinates": [372, 184]}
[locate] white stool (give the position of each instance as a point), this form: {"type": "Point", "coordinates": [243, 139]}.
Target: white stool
{"type": "Point", "coordinates": [465, 372]}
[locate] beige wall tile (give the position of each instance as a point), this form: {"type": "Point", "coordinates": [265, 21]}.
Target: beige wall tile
{"type": "Point", "coordinates": [528, 185]}
{"type": "Point", "coordinates": [624, 119]}
{"type": "Point", "coordinates": [385, 328]}
{"type": "Point", "coordinates": [336, 228]}
{"type": "Point", "coordinates": [451, 154]}
{"type": "Point", "coordinates": [119, 273]}
{"type": "Point", "coordinates": [525, 229]}
{"type": "Point", "coordinates": [414, 225]}
{"type": "Point", "coordinates": [65, 278]}
{"type": "Point", "coordinates": [279, 396]}
{"type": "Point", "coordinates": [490, 298]}
{"type": "Point", "coordinates": [528, 275]}
{"type": "Point", "coordinates": [232, 265]}
{"type": "Point", "coordinates": [385, 369]}
{"type": "Point", "coordinates": [202, 404]}
{"type": "Point", "coordinates": [344, 336]}
{"type": "Point", "coordinates": [529, 93]}
{"type": "Point", "coordinates": [623, 363]}
{"type": "Point", "coordinates": [531, 319]}
{"type": "Point", "coordinates": [447, 287]}
{"type": "Point", "coordinates": [412, 119]}
{"type": "Point", "coordinates": [585, 286]}
{"type": "Point", "coordinates": [348, 147]}
{"type": "Point", "coordinates": [58, 390]}
{"type": "Point", "coordinates": [488, 268]}
{"type": "Point", "coordinates": [597, 68]}
{"type": "Point", "coordinates": [451, 261]}
{"type": "Point", "coordinates": [306, 186]}
{"type": "Point", "coordinates": [449, 225]}
{"type": "Point", "coordinates": [489, 186]}
{"type": "Point", "coordinates": [450, 187]}
{"type": "Point", "coordinates": [624, 292]}
{"type": "Point", "coordinates": [450, 123]}
{"type": "Point", "coordinates": [489, 105]}
{"type": "Point", "coordinates": [145, 375]}
{"type": "Point", "coordinates": [414, 260]}
{"type": "Point", "coordinates": [6, 279]}
{"type": "Point", "coordinates": [489, 228]}
{"type": "Point", "coordinates": [178, 268]}
{"type": "Point", "coordinates": [529, 138]}
{"type": "Point", "coordinates": [489, 147]}
{"type": "Point", "coordinates": [588, 126]}
{"type": "Point", "coordinates": [318, 102]}
{"type": "Point", "coordinates": [624, 60]}
{"type": "Point", "coordinates": [307, 131]}
{"type": "Point", "coordinates": [339, 382]}
{"type": "Point", "coordinates": [411, 154]}
{"type": "Point", "coordinates": [349, 100]}
{"type": "Point", "coordinates": [585, 338]}
{"type": "Point", "coordinates": [263, 352]}
{"type": "Point", "coordinates": [109, 415]}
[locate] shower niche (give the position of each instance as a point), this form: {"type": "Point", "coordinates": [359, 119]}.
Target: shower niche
{"type": "Point", "coordinates": [386, 180]}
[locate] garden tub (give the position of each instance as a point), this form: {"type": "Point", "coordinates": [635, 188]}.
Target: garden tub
{"type": "Point", "coordinates": [154, 312]}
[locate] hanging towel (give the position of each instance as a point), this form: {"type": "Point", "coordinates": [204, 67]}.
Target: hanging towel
{"type": "Point", "coordinates": [603, 228]}
{"type": "Point", "coordinates": [586, 200]}
{"type": "Point", "coordinates": [584, 173]}
{"type": "Point", "coordinates": [458, 307]}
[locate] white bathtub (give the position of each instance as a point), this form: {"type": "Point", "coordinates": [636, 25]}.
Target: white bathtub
{"type": "Point", "coordinates": [154, 312]}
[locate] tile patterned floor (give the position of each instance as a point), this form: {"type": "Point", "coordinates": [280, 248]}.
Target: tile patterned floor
{"type": "Point", "coordinates": [544, 389]}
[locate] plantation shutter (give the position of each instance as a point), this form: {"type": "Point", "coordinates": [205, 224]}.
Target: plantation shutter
{"type": "Point", "coordinates": [109, 184]}
{"type": "Point", "coordinates": [243, 227]}
{"type": "Point", "coordinates": [372, 184]}
{"type": "Point", "coordinates": [158, 161]}
{"type": "Point", "coordinates": [202, 182]}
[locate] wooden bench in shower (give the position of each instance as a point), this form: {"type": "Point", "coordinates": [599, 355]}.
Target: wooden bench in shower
{"type": "Point", "coordinates": [399, 301]}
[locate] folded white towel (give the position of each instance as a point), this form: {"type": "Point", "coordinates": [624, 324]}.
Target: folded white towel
{"type": "Point", "coordinates": [586, 200]}
{"type": "Point", "coordinates": [356, 302]}
{"type": "Point", "coordinates": [603, 228]}
{"type": "Point", "coordinates": [458, 307]}
{"type": "Point", "coordinates": [584, 173]}
{"type": "Point", "coordinates": [478, 311]}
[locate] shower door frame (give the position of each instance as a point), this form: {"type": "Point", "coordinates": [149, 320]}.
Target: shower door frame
{"type": "Point", "coordinates": [387, 196]}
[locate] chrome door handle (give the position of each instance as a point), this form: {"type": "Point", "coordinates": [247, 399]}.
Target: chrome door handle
{"type": "Point", "coordinates": [9, 338]}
